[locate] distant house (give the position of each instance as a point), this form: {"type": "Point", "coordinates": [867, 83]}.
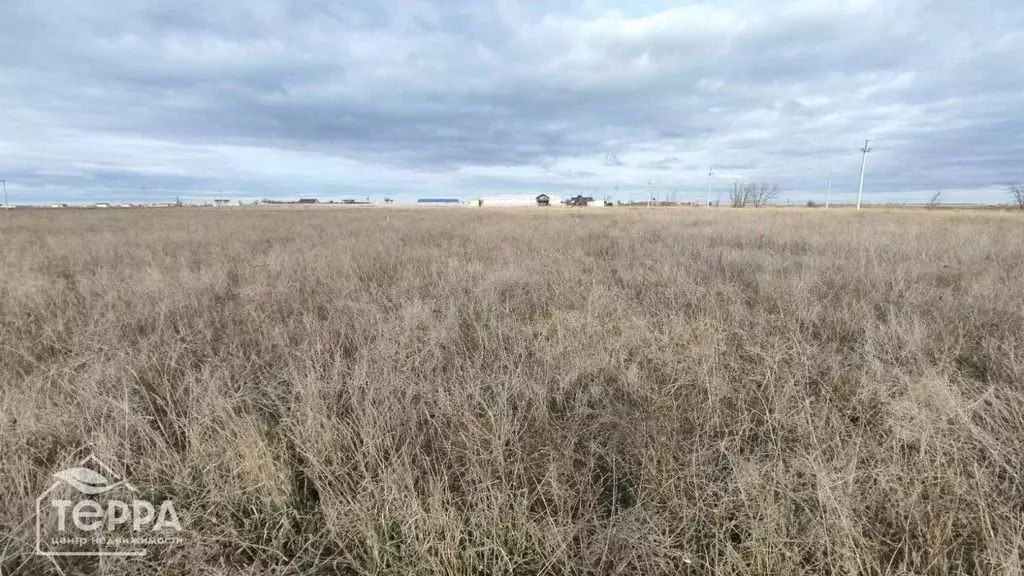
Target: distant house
{"type": "Point", "coordinates": [579, 200]}
{"type": "Point", "coordinates": [221, 202]}
{"type": "Point", "coordinates": [102, 205]}
{"type": "Point", "coordinates": [509, 200]}
{"type": "Point", "coordinates": [543, 200]}
{"type": "Point", "coordinates": [308, 201]}
{"type": "Point", "coordinates": [58, 206]}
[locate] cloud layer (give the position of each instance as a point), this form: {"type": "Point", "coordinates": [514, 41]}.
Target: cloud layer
{"type": "Point", "coordinates": [114, 99]}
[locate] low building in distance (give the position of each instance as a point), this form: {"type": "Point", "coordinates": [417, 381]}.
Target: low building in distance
{"type": "Point", "coordinates": [512, 200]}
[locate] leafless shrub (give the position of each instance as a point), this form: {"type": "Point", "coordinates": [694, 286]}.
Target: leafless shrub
{"type": "Point", "coordinates": [1016, 194]}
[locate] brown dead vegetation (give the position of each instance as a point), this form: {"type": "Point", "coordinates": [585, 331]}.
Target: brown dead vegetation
{"type": "Point", "coordinates": [386, 391]}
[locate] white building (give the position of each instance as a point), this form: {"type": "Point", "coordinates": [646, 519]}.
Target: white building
{"type": "Point", "coordinates": [516, 200]}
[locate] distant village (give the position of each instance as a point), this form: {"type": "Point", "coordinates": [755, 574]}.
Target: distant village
{"type": "Point", "coordinates": [216, 202]}
{"type": "Point", "coordinates": [507, 200]}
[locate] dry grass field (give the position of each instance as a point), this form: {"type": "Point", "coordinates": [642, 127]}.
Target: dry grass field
{"type": "Point", "coordinates": [455, 391]}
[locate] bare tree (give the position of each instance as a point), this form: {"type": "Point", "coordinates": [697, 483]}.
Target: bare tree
{"type": "Point", "coordinates": [750, 192]}
{"type": "Point", "coordinates": [750, 195]}
{"type": "Point", "coordinates": [1016, 194]}
{"type": "Point", "coordinates": [761, 193]}
{"type": "Point", "coordinates": [936, 199]}
{"type": "Point", "coordinates": [756, 194]}
{"type": "Point", "coordinates": [738, 195]}
{"type": "Point", "coordinates": [767, 193]}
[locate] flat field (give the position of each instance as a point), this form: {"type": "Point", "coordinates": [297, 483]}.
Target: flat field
{"type": "Point", "coordinates": [459, 391]}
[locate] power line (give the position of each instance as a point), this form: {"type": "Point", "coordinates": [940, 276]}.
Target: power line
{"type": "Point", "coordinates": [711, 172]}
{"type": "Point", "coordinates": [863, 163]}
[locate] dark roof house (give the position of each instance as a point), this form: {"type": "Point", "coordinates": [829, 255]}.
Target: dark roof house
{"type": "Point", "coordinates": [579, 200]}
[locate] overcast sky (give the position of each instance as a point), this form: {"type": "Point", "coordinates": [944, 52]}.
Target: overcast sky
{"type": "Point", "coordinates": [149, 99]}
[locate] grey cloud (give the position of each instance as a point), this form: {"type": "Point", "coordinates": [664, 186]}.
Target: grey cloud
{"type": "Point", "coordinates": [785, 92]}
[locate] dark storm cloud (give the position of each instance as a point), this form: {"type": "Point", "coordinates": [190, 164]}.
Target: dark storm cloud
{"type": "Point", "coordinates": [189, 94]}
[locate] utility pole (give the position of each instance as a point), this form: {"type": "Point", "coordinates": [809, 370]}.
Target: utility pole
{"type": "Point", "coordinates": [863, 163]}
{"type": "Point", "coordinates": [4, 183]}
{"type": "Point", "coordinates": [711, 172]}
{"type": "Point", "coordinates": [828, 195]}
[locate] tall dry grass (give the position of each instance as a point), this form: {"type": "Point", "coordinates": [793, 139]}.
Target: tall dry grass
{"type": "Point", "coordinates": [389, 391]}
